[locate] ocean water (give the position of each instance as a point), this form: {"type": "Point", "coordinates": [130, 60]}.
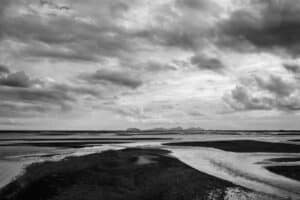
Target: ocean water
{"type": "Point", "coordinates": [17, 150]}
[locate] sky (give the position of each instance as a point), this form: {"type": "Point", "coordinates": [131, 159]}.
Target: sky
{"type": "Point", "coordinates": [103, 64]}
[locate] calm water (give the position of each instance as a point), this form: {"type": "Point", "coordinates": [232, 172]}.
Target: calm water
{"type": "Point", "coordinates": [246, 169]}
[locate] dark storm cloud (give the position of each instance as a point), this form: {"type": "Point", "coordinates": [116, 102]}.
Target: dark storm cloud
{"type": "Point", "coordinates": [198, 5]}
{"type": "Point", "coordinates": [207, 63]}
{"type": "Point", "coordinates": [96, 35]}
{"type": "Point", "coordinates": [23, 96]}
{"type": "Point", "coordinates": [35, 95]}
{"type": "Point", "coordinates": [174, 37]}
{"type": "Point", "coordinates": [30, 27]}
{"type": "Point", "coordinates": [158, 67]}
{"type": "Point", "coordinates": [194, 4]}
{"type": "Point", "coordinates": [17, 79]}
{"type": "Point", "coordinates": [55, 94]}
{"type": "Point", "coordinates": [276, 85]}
{"type": "Point", "coordinates": [241, 99]}
{"type": "Point", "coordinates": [185, 27]}
{"type": "Point", "coordinates": [151, 66]}
{"type": "Point", "coordinates": [271, 94]}
{"type": "Point", "coordinates": [119, 78]}
{"type": "Point", "coordinates": [195, 113]}
{"type": "Point", "coordinates": [20, 102]}
{"type": "Point", "coordinates": [53, 5]}
{"type": "Point", "coordinates": [13, 110]}
{"type": "Point", "coordinates": [56, 54]}
{"type": "Point", "coordinates": [294, 68]}
{"type": "Point", "coordinates": [68, 37]}
{"type": "Point", "coordinates": [4, 69]}
{"type": "Point", "coordinates": [77, 90]}
{"type": "Point", "coordinates": [266, 24]}
{"type": "Point", "coordinates": [3, 6]}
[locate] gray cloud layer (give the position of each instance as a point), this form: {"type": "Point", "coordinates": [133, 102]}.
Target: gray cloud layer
{"type": "Point", "coordinates": [273, 93]}
{"type": "Point", "coordinates": [145, 51]}
{"type": "Point", "coordinates": [3, 69]}
{"type": "Point", "coordinates": [294, 68]}
{"type": "Point", "coordinates": [203, 62]}
{"type": "Point", "coordinates": [115, 77]}
{"type": "Point", "coordinates": [267, 25]}
{"type": "Point", "coordinates": [21, 94]}
{"type": "Point", "coordinates": [17, 79]}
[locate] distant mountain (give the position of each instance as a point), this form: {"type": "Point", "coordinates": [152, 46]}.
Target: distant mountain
{"type": "Point", "coordinates": [194, 129]}
{"type": "Point", "coordinates": [133, 130]}
{"type": "Point", "coordinates": [160, 129]}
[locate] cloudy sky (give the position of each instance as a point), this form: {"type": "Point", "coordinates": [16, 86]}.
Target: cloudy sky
{"type": "Point", "coordinates": [114, 64]}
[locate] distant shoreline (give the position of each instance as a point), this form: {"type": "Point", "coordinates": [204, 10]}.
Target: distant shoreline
{"type": "Point", "coordinates": [141, 130]}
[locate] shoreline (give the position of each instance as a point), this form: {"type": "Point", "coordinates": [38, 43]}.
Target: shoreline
{"type": "Point", "coordinates": [142, 170]}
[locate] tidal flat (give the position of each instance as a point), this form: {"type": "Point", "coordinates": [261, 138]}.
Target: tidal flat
{"type": "Point", "coordinates": [230, 167]}
{"type": "Point", "coordinates": [131, 173]}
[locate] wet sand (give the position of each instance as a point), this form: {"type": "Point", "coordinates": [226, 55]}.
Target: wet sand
{"type": "Point", "coordinates": [292, 159]}
{"type": "Point", "coordinates": [66, 144]}
{"type": "Point", "coordinates": [239, 168]}
{"type": "Point", "coordinates": [8, 171]}
{"type": "Point", "coordinates": [243, 146]}
{"type": "Point", "coordinates": [287, 171]}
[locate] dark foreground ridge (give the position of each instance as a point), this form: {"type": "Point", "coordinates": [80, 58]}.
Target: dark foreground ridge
{"type": "Point", "coordinates": [130, 174]}
{"type": "Point", "coordinates": [244, 146]}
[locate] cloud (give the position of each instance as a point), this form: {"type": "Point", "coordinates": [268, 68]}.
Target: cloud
{"type": "Point", "coordinates": [17, 79]}
{"type": "Point", "coordinates": [294, 68]}
{"type": "Point", "coordinates": [207, 63]}
{"type": "Point", "coordinates": [35, 95]}
{"type": "Point", "coordinates": [241, 99]}
{"type": "Point", "coordinates": [87, 34]}
{"type": "Point", "coordinates": [158, 67]}
{"type": "Point", "coordinates": [273, 93]}
{"type": "Point", "coordinates": [77, 90]}
{"type": "Point", "coordinates": [3, 69]}
{"type": "Point", "coordinates": [20, 110]}
{"type": "Point", "coordinates": [266, 25]}
{"type": "Point", "coordinates": [23, 96]}
{"type": "Point", "coordinates": [147, 51]}
{"type": "Point", "coordinates": [198, 5]}
{"type": "Point", "coordinates": [119, 78]}
{"type": "Point", "coordinates": [131, 113]}
{"type": "Point", "coordinates": [195, 113]}
{"type": "Point", "coordinates": [84, 34]}
{"type": "Point", "coordinates": [60, 55]}
{"type": "Point", "coordinates": [276, 85]}
{"type": "Point", "coordinates": [54, 5]}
